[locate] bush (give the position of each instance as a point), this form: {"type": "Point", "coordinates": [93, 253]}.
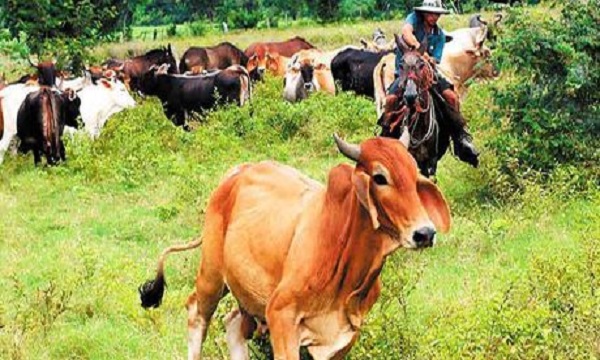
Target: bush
{"type": "Point", "coordinates": [198, 28]}
{"type": "Point", "coordinates": [547, 113]}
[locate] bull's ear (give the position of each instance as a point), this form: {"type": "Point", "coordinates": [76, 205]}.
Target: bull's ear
{"type": "Point", "coordinates": [105, 83]}
{"type": "Point", "coordinates": [472, 52]}
{"type": "Point", "coordinates": [434, 203]}
{"type": "Point", "coordinates": [361, 182]}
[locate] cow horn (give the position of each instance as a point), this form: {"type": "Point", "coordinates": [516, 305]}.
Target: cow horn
{"type": "Point", "coordinates": [405, 137]}
{"type": "Point", "coordinates": [351, 151]}
{"type": "Point", "coordinates": [497, 18]}
{"type": "Point", "coordinates": [481, 20]}
{"type": "Point", "coordinates": [31, 63]}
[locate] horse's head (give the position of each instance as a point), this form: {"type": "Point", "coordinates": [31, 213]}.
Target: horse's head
{"type": "Point", "coordinates": [416, 75]}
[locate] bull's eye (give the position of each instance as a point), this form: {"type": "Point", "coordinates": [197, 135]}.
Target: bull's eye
{"type": "Point", "coordinates": [380, 179]}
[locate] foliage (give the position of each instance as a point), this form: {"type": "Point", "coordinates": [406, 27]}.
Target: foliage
{"type": "Point", "coordinates": [65, 30]}
{"type": "Point", "coordinates": [548, 112]}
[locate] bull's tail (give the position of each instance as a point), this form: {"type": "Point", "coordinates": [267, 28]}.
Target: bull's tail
{"type": "Point", "coordinates": [151, 292]}
{"type": "Point", "coordinates": [246, 85]}
{"type": "Point", "coordinates": [50, 116]}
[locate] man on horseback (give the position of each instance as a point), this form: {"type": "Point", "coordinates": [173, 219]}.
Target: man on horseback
{"type": "Point", "coordinates": [420, 28]}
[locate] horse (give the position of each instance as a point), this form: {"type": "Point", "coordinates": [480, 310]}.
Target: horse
{"type": "Point", "coordinates": [133, 70]}
{"type": "Point", "coordinates": [417, 105]}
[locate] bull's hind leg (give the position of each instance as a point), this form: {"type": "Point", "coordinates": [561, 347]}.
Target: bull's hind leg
{"type": "Point", "coordinates": [201, 306]}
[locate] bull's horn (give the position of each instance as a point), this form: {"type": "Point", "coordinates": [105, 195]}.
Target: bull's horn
{"type": "Point", "coordinates": [351, 151]}
{"type": "Point", "coordinates": [405, 137]}
{"type": "Point", "coordinates": [497, 18]}
{"type": "Point", "coordinates": [31, 63]}
{"type": "Point", "coordinates": [481, 20]}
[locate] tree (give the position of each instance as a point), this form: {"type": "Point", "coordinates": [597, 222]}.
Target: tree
{"type": "Point", "coordinates": [65, 29]}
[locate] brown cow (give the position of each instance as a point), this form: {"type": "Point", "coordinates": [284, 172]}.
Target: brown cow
{"type": "Point", "coordinates": [304, 257]}
{"type": "Point", "coordinates": [257, 54]}
{"type": "Point", "coordinates": [221, 56]}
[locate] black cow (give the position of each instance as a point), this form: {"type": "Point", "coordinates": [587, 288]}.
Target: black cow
{"type": "Point", "coordinates": [354, 70]}
{"type": "Point", "coordinates": [41, 120]}
{"type": "Point", "coordinates": [221, 56]}
{"type": "Point", "coordinates": [181, 94]}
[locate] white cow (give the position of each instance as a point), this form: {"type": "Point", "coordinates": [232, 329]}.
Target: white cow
{"type": "Point", "coordinates": [99, 102]}
{"type": "Point", "coordinates": [466, 57]}
{"type": "Point", "coordinates": [11, 98]}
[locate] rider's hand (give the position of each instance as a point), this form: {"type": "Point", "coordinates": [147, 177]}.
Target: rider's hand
{"type": "Point", "coordinates": [416, 46]}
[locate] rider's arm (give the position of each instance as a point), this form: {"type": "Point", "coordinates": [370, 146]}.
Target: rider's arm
{"type": "Point", "coordinates": [438, 46]}
{"type": "Point", "coordinates": [408, 29]}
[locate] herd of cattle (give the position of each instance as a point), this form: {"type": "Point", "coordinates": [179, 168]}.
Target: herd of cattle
{"type": "Point", "coordinates": [39, 108]}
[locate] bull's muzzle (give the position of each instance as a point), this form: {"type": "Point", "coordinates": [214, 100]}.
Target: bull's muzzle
{"type": "Point", "coordinates": [309, 86]}
{"type": "Point", "coordinates": [424, 237]}
{"type": "Point", "coordinates": [410, 93]}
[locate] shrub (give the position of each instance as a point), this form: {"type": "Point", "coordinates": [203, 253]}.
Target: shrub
{"type": "Point", "coordinates": [547, 112]}
{"type": "Point", "coordinates": [198, 28]}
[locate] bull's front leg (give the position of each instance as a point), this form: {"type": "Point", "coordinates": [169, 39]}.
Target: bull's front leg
{"type": "Point", "coordinates": [282, 319]}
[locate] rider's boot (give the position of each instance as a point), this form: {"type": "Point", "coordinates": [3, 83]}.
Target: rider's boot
{"type": "Point", "coordinates": [464, 148]}
{"type": "Point", "coordinates": [463, 141]}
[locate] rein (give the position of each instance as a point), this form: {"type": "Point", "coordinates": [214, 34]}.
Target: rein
{"type": "Point", "coordinates": [411, 119]}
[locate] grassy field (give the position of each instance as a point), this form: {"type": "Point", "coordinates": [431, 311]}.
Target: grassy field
{"type": "Point", "coordinates": [514, 279]}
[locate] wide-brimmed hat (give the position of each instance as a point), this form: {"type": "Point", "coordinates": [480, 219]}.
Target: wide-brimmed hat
{"type": "Point", "coordinates": [432, 6]}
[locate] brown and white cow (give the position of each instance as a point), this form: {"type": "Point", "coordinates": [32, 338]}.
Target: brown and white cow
{"type": "Point", "coordinates": [302, 256]}
{"type": "Point", "coordinates": [307, 72]}
{"type": "Point", "coordinates": [466, 57]}
{"type": "Point", "coordinates": [260, 52]}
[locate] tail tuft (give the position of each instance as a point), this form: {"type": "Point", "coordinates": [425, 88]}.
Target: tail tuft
{"type": "Point", "coordinates": [151, 292]}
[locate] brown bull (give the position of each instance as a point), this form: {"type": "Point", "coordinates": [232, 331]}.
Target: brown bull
{"type": "Point", "coordinates": [259, 53]}
{"type": "Point", "coordinates": [304, 257]}
{"type": "Point", "coordinates": [221, 56]}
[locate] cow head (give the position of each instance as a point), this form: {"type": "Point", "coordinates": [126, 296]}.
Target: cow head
{"type": "Point", "coordinates": [70, 108]}
{"type": "Point", "coordinates": [46, 72]}
{"type": "Point", "coordinates": [118, 93]}
{"type": "Point", "coordinates": [397, 200]}
{"type": "Point", "coordinates": [294, 88]}
{"type": "Point", "coordinates": [480, 55]}
{"type": "Point", "coordinates": [256, 67]}
{"type": "Point", "coordinates": [149, 80]}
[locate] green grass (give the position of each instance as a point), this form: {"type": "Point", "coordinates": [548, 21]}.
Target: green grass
{"type": "Point", "coordinates": [514, 279]}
